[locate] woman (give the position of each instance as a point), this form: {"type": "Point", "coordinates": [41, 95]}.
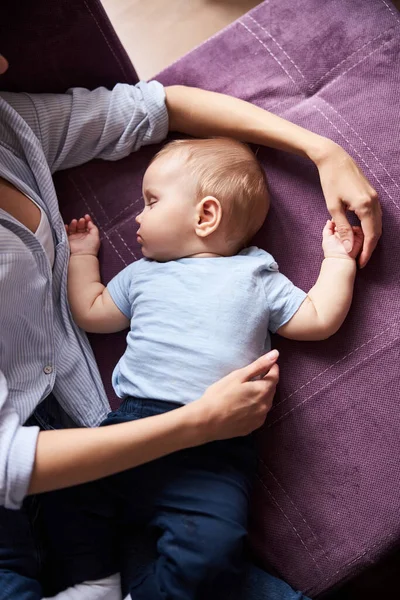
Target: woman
{"type": "Point", "coordinates": [48, 375]}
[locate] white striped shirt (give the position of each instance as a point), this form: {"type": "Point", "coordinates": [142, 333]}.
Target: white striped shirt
{"type": "Point", "coordinates": [41, 349]}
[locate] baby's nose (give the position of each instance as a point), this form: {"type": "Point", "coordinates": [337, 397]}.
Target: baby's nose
{"type": "Point", "coordinates": [137, 218]}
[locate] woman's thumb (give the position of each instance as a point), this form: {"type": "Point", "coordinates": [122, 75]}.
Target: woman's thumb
{"type": "Point", "coordinates": [344, 229]}
{"type": "Point", "coordinates": [260, 367]}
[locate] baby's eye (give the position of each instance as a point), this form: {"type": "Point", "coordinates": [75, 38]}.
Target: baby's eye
{"type": "Point", "coordinates": [152, 203]}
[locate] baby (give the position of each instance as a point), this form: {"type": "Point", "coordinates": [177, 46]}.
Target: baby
{"type": "Point", "coordinates": [198, 305]}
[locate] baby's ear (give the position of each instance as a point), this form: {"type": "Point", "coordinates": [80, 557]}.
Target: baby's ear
{"type": "Point", "coordinates": [208, 216]}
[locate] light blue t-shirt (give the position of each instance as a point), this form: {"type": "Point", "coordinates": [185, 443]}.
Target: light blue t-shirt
{"type": "Point", "coordinates": [194, 320]}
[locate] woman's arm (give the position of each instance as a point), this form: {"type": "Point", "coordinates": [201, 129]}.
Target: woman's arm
{"type": "Point", "coordinates": [201, 113]}
{"type": "Point", "coordinates": [80, 125]}
{"type": "Point", "coordinates": [234, 406]}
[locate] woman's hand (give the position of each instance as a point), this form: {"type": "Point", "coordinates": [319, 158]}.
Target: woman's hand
{"type": "Point", "coordinates": [238, 404]}
{"type": "Point", "coordinates": [83, 236]}
{"type": "Point", "coordinates": [346, 188]}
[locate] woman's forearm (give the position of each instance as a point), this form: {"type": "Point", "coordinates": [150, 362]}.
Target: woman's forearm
{"type": "Point", "coordinates": [233, 406]}
{"type": "Point", "coordinates": [73, 456]}
{"type": "Point", "coordinates": [201, 113]}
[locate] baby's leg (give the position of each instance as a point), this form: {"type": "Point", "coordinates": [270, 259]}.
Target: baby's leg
{"type": "Point", "coordinates": [201, 514]}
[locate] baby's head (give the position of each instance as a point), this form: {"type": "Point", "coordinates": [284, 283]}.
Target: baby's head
{"type": "Point", "coordinates": [201, 197]}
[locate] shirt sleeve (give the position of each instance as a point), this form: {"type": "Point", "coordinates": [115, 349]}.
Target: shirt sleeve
{"type": "Point", "coordinates": [80, 125]}
{"type": "Point", "coordinates": [17, 452]}
{"type": "Point", "coordinates": [282, 296]}
{"type": "Point", "coordinates": [119, 289]}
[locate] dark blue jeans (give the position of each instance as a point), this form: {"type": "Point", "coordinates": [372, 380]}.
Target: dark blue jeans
{"type": "Point", "coordinates": [22, 547]}
{"type": "Point", "coordinates": [20, 555]}
{"type": "Point", "coordinates": [194, 502]}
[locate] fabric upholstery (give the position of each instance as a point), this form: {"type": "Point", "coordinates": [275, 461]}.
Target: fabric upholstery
{"type": "Point", "coordinates": [52, 46]}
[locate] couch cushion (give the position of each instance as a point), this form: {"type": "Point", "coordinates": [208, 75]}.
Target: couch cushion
{"type": "Point", "coordinates": [326, 501]}
{"type": "Point", "coordinates": [52, 46]}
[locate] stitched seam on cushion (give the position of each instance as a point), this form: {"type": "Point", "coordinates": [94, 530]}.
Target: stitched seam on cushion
{"type": "Point", "coordinates": [125, 244]}
{"type": "Point", "coordinates": [72, 180]}
{"type": "Point", "coordinates": [331, 382]}
{"type": "Point", "coordinates": [102, 228]}
{"type": "Point", "coordinates": [291, 524]}
{"type": "Point", "coordinates": [295, 507]}
{"type": "Point", "coordinates": [126, 208]}
{"type": "Point", "coordinates": [108, 220]}
{"type": "Point", "coordinates": [360, 138]}
{"type": "Point", "coordinates": [106, 40]}
{"type": "Point", "coordinates": [357, 63]}
{"type": "Point", "coordinates": [358, 154]}
{"type": "Point", "coordinates": [126, 219]}
{"type": "Point", "coordinates": [278, 44]}
{"type": "Point", "coordinates": [95, 197]}
{"type": "Point", "coordinates": [90, 210]}
{"type": "Point", "coordinates": [331, 366]}
{"type": "Point", "coordinates": [350, 55]}
{"type": "Point", "coordinates": [271, 53]}
{"type": "Point", "coordinates": [353, 560]}
{"type": "Point", "coordinates": [281, 102]}
{"type": "Point", "coordinates": [115, 248]}
{"type": "Point", "coordinates": [390, 10]}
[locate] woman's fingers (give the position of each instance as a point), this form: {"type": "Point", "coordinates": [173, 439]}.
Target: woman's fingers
{"type": "Point", "coordinates": [273, 375]}
{"type": "Point", "coordinates": [259, 367]}
{"type": "Point", "coordinates": [371, 224]}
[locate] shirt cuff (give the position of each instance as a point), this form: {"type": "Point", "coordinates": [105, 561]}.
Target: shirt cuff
{"type": "Point", "coordinates": [154, 99]}
{"type": "Point", "coordinates": [20, 465]}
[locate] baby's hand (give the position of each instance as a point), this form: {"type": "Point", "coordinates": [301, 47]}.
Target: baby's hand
{"type": "Point", "coordinates": [333, 247]}
{"type": "Point", "coordinates": [83, 236]}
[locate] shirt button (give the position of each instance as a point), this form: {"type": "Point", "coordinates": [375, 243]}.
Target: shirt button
{"type": "Point", "coordinates": [48, 369]}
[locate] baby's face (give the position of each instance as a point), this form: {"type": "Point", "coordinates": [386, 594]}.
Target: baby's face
{"type": "Point", "coordinates": [167, 221]}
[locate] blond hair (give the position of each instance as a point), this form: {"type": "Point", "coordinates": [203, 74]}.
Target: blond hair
{"type": "Point", "coordinates": [229, 171]}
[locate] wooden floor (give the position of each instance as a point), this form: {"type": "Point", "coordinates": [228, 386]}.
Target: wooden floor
{"type": "Point", "coordinates": [157, 32]}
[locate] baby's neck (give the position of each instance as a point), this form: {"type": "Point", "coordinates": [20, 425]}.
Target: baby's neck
{"type": "Point", "coordinates": [204, 255]}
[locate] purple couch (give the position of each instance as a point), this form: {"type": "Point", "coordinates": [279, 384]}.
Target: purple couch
{"type": "Point", "coordinates": [327, 498]}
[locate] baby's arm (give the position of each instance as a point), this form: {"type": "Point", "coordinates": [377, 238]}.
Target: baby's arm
{"type": "Point", "coordinates": [328, 302]}
{"type": "Point", "coordinates": [91, 304]}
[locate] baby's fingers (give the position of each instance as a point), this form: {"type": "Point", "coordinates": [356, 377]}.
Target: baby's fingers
{"type": "Point", "coordinates": [92, 227]}
{"type": "Point", "coordinates": [72, 226]}
{"type": "Point", "coordinates": [81, 226]}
